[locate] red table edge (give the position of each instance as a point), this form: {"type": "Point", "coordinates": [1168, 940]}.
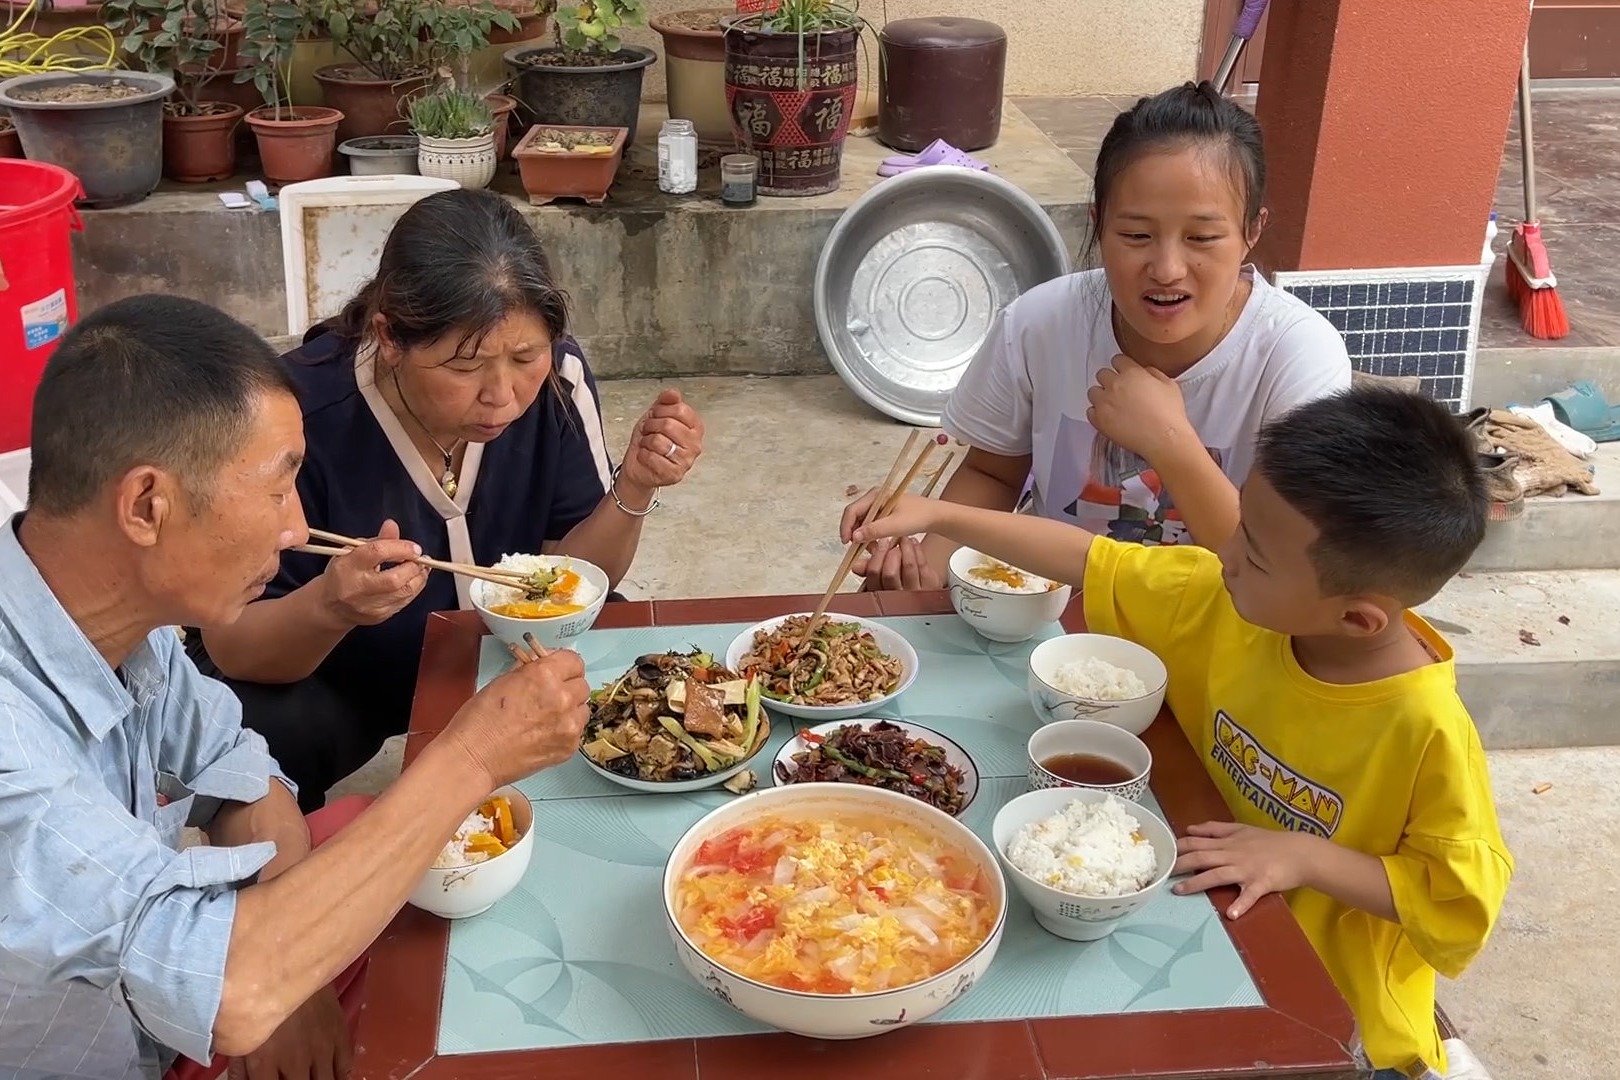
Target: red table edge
{"type": "Point", "coordinates": [1304, 1027]}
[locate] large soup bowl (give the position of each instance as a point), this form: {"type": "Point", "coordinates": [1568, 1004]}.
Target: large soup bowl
{"type": "Point", "coordinates": [835, 1016]}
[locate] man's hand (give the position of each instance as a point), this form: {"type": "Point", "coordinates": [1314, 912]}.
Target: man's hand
{"type": "Point", "coordinates": [1258, 861]}
{"type": "Point", "coordinates": [1139, 408]}
{"type": "Point", "coordinates": [312, 1043]}
{"type": "Point", "coordinates": [526, 720]}
{"type": "Point", "coordinates": [358, 591]}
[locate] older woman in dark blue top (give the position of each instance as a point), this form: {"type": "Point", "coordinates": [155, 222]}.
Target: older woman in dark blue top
{"type": "Point", "coordinates": [448, 413]}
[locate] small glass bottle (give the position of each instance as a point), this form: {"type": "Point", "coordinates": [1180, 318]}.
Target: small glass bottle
{"type": "Point", "coordinates": [677, 157]}
{"type": "Point", "coordinates": [738, 174]}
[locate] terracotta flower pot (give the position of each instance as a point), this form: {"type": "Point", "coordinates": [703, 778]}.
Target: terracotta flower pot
{"type": "Point", "coordinates": [554, 174]}
{"type": "Point", "coordinates": [299, 145]}
{"type": "Point", "coordinates": [197, 149]}
{"type": "Point", "coordinates": [695, 70]}
{"type": "Point", "coordinates": [369, 106]}
{"type": "Point", "coordinates": [501, 107]}
{"type": "Point", "coordinates": [221, 86]}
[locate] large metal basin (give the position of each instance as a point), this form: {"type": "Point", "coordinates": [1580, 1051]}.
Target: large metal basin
{"type": "Point", "coordinates": [913, 276]}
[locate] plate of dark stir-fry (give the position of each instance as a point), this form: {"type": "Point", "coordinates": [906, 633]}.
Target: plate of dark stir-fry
{"type": "Point", "coordinates": [676, 722]}
{"type": "Point", "coordinates": [848, 667]}
{"type": "Point", "coordinates": [906, 758]}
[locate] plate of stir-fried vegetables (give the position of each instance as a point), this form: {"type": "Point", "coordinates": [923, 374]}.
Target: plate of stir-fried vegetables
{"type": "Point", "coordinates": [848, 667]}
{"type": "Point", "coordinates": [900, 757]}
{"type": "Point", "coordinates": [675, 722]}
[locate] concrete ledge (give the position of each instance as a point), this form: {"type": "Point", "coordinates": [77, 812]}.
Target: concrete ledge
{"type": "Point", "coordinates": [1560, 692]}
{"type": "Point", "coordinates": [1574, 532]}
{"type": "Point", "coordinates": [661, 285]}
{"type": "Point", "coordinates": [1504, 376]}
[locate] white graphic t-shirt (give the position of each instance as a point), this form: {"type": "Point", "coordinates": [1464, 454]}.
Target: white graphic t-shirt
{"type": "Point", "coordinates": [1025, 393]}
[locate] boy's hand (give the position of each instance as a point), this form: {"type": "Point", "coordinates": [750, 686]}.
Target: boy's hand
{"type": "Point", "coordinates": [1258, 861]}
{"type": "Point", "coordinates": [1140, 408]}
{"type": "Point", "coordinates": [913, 514]}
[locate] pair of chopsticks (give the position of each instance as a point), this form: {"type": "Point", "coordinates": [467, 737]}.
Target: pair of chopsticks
{"type": "Point", "coordinates": [509, 578]}
{"type": "Point", "coordinates": [530, 651]}
{"type": "Point", "coordinates": [887, 498]}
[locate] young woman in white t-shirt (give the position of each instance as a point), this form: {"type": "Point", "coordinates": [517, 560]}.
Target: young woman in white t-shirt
{"type": "Point", "coordinates": [1131, 394]}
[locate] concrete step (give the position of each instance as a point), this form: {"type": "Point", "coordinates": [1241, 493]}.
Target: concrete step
{"type": "Point", "coordinates": [1574, 532]}
{"type": "Point", "coordinates": [1538, 655]}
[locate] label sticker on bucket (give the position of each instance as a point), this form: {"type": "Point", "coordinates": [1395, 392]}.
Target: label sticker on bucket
{"type": "Point", "coordinates": [45, 320]}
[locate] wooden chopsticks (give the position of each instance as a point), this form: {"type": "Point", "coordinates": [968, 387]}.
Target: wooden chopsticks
{"type": "Point", "coordinates": [529, 652]}
{"type": "Point", "coordinates": [886, 499]}
{"type": "Point", "coordinates": [509, 578]}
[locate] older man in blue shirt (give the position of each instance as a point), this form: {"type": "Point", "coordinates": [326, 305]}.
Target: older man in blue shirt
{"type": "Point", "coordinates": [166, 441]}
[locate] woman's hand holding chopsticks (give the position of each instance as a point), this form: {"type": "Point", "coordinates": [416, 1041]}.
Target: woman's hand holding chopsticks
{"type": "Point", "coordinates": [374, 580]}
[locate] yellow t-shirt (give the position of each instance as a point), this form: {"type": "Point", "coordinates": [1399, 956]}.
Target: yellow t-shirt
{"type": "Point", "coordinates": [1392, 768]}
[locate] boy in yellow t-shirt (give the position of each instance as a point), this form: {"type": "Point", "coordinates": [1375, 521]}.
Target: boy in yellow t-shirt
{"type": "Point", "coordinates": [1323, 708]}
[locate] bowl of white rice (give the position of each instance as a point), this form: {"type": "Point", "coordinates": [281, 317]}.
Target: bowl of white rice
{"type": "Point", "coordinates": [1001, 602]}
{"type": "Point", "coordinates": [1096, 677]}
{"type": "Point", "coordinates": [463, 883]}
{"type": "Point", "coordinates": [587, 594]}
{"type": "Point", "coordinates": [1084, 860]}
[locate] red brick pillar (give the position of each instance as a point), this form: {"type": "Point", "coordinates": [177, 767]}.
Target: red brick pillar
{"type": "Point", "coordinates": [1385, 122]}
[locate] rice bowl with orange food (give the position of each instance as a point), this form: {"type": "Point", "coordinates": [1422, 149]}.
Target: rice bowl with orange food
{"type": "Point", "coordinates": [834, 911]}
{"type": "Point", "coordinates": [560, 589]}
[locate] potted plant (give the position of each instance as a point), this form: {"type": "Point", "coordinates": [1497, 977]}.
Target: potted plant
{"type": "Point", "coordinates": [295, 143]}
{"type": "Point", "coordinates": [457, 133]}
{"type": "Point", "coordinates": [381, 155]}
{"type": "Point", "coordinates": [790, 83]}
{"type": "Point", "coordinates": [589, 77]}
{"type": "Point", "coordinates": [695, 70]}
{"type": "Point", "coordinates": [199, 136]}
{"type": "Point", "coordinates": [394, 46]}
{"type": "Point", "coordinates": [502, 107]}
{"type": "Point", "coordinates": [105, 127]}
{"type": "Point", "coordinates": [561, 161]}
{"type": "Point", "coordinates": [10, 144]}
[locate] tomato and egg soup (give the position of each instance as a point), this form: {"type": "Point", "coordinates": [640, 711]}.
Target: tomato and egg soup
{"type": "Point", "coordinates": [848, 904]}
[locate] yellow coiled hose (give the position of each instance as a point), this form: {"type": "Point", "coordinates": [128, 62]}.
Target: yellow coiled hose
{"type": "Point", "coordinates": [23, 52]}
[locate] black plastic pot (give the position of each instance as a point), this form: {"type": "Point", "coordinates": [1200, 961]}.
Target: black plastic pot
{"type": "Point", "coordinates": [605, 96]}
{"type": "Point", "coordinates": [114, 147]}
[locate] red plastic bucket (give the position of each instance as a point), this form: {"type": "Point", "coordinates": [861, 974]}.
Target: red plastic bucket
{"type": "Point", "coordinates": [37, 300]}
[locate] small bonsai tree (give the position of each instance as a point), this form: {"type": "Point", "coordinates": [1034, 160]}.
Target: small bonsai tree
{"type": "Point", "coordinates": [590, 28]}
{"type": "Point", "coordinates": [176, 36]}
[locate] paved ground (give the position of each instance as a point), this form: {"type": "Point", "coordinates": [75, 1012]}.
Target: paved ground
{"type": "Point", "coordinates": [1541, 1001]}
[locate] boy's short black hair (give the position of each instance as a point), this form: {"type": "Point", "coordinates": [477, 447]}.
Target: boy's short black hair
{"type": "Point", "coordinates": [1391, 481]}
{"type": "Point", "coordinates": [148, 380]}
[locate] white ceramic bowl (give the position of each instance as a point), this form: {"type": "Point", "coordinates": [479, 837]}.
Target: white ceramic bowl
{"type": "Point", "coordinates": [890, 641]}
{"type": "Point", "coordinates": [464, 891]}
{"type": "Point", "coordinates": [1078, 918]}
{"type": "Point", "coordinates": [1132, 714]}
{"type": "Point", "coordinates": [954, 754]}
{"type": "Point", "coordinates": [1001, 616]}
{"type": "Point", "coordinates": [558, 631]}
{"type": "Point", "coordinates": [1089, 737]}
{"type": "Point", "coordinates": [671, 787]}
{"type": "Point", "coordinates": [835, 1016]}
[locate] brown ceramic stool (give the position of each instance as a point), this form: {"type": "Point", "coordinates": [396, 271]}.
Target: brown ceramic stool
{"type": "Point", "coordinates": [940, 78]}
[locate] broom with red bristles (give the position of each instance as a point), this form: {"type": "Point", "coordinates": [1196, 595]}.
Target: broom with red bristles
{"type": "Point", "coordinates": [1530, 280]}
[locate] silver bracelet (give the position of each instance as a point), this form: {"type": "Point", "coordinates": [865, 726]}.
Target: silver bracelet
{"type": "Point", "coordinates": [613, 490]}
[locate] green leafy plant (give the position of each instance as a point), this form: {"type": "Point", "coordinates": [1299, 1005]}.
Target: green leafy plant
{"type": "Point", "coordinates": [403, 39]}
{"type": "Point", "coordinates": [170, 35]}
{"type": "Point", "coordinates": [810, 17]}
{"type": "Point", "coordinates": [271, 29]}
{"type": "Point", "coordinates": [593, 26]}
{"type": "Point", "coordinates": [450, 113]}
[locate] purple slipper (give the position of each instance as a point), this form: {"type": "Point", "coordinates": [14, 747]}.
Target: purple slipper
{"type": "Point", "coordinates": [938, 152]}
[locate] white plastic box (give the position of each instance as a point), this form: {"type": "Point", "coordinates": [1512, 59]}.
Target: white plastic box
{"type": "Point", "coordinates": [13, 482]}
